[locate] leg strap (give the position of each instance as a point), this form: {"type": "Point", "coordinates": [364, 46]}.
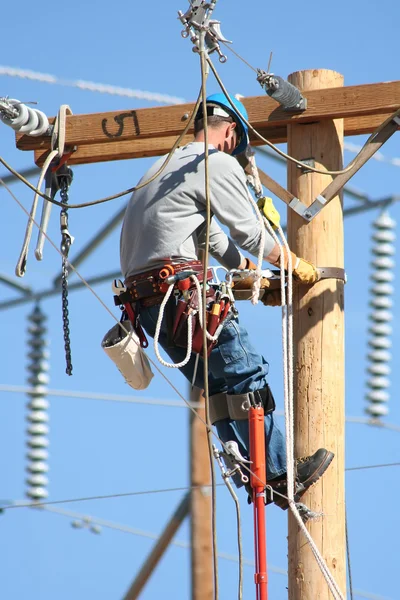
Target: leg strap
{"type": "Point", "coordinates": [218, 407]}
{"type": "Point", "coordinates": [239, 404]}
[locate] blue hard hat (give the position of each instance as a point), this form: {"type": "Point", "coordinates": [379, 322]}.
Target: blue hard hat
{"type": "Point", "coordinates": [243, 130]}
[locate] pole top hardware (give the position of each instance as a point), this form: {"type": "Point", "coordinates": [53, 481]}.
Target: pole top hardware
{"type": "Point", "coordinates": [196, 20]}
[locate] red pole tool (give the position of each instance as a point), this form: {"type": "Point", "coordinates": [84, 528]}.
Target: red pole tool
{"type": "Point", "coordinates": [258, 482]}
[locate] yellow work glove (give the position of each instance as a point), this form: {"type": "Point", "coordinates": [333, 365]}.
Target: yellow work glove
{"type": "Point", "coordinates": [303, 270]}
{"type": "Point", "coordinates": [247, 282]}
{"type": "Point", "coordinates": [272, 295]}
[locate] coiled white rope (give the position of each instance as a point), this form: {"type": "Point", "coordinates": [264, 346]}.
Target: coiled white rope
{"type": "Point", "coordinates": [157, 335]}
{"type": "Point", "coordinates": [211, 338]}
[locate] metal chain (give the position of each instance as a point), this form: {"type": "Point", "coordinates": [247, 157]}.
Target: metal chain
{"type": "Point", "coordinates": [65, 178]}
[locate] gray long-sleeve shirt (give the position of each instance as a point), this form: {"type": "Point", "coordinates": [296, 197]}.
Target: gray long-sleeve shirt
{"type": "Point", "coordinates": [166, 219]}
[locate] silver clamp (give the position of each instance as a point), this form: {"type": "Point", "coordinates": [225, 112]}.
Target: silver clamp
{"type": "Point", "coordinates": [233, 459]}
{"type": "Point", "coordinates": [196, 20]}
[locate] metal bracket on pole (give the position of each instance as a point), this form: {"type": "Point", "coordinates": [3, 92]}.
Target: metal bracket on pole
{"type": "Point", "coordinates": [387, 129]}
{"type": "Point", "coordinates": [197, 20]}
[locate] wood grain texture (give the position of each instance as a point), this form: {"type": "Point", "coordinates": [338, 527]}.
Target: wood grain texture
{"type": "Point", "coordinates": [264, 114]}
{"type": "Point", "coordinates": [319, 350]}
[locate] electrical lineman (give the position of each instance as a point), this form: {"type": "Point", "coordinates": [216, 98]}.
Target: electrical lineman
{"type": "Point", "coordinates": [163, 230]}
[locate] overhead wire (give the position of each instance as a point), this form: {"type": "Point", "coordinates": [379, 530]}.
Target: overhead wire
{"type": "Point", "coordinates": [284, 154]}
{"type": "Point", "coordinates": [178, 543]}
{"type": "Point", "coordinates": [139, 186]}
{"type": "Point", "coordinates": [156, 491]}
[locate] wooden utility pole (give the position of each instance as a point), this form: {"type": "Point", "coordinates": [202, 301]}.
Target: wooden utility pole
{"type": "Point", "coordinates": [319, 347]}
{"type": "Point", "coordinates": [200, 524]}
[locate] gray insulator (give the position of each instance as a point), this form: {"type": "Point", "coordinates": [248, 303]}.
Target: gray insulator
{"type": "Point", "coordinates": [383, 289]}
{"type": "Point", "coordinates": [379, 369]}
{"type": "Point", "coordinates": [38, 416]}
{"type": "Point", "coordinates": [378, 396]}
{"type": "Point", "coordinates": [381, 302]}
{"type": "Point", "coordinates": [378, 382]}
{"type": "Point", "coordinates": [37, 454]}
{"type": "Point", "coordinates": [384, 235]}
{"type": "Point", "coordinates": [379, 356]}
{"type": "Point", "coordinates": [37, 493]}
{"type": "Point", "coordinates": [36, 329]}
{"type": "Point", "coordinates": [381, 316]}
{"type": "Point", "coordinates": [382, 276]}
{"type": "Point", "coordinates": [38, 404]}
{"type": "Point", "coordinates": [38, 441]}
{"type": "Point", "coordinates": [384, 249]}
{"type": "Point", "coordinates": [283, 92]}
{"type": "Point", "coordinates": [380, 342]}
{"type": "Point", "coordinates": [39, 354]}
{"type": "Point", "coordinates": [77, 524]}
{"type": "Point", "coordinates": [381, 329]}
{"type": "Point", "coordinates": [37, 343]}
{"type": "Point", "coordinates": [37, 429]}
{"type": "Point", "coordinates": [39, 365]}
{"type": "Point", "coordinates": [37, 466]}
{"type": "Point", "coordinates": [377, 410]}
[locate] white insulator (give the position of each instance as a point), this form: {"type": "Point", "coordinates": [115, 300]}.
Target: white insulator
{"type": "Point", "coordinates": [379, 369]}
{"type": "Point", "coordinates": [37, 429]}
{"type": "Point", "coordinates": [38, 404]}
{"type": "Point", "coordinates": [42, 378]}
{"type": "Point", "coordinates": [37, 454]}
{"type": "Point", "coordinates": [38, 390]}
{"type": "Point", "coordinates": [380, 342]}
{"type": "Point", "coordinates": [378, 396]}
{"type": "Point", "coordinates": [378, 382]}
{"type": "Point", "coordinates": [38, 416]}
{"type": "Point", "coordinates": [37, 479]}
{"type": "Point", "coordinates": [37, 493]}
{"type": "Point", "coordinates": [377, 410]}
{"type": "Point", "coordinates": [384, 235]}
{"type": "Point", "coordinates": [21, 119]}
{"type": "Point", "coordinates": [383, 289]}
{"type": "Point", "coordinates": [37, 466]}
{"type": "Point", "coordinates": [36, 328]}
{"type": "Point", "coordinates": [381, 316]}
{"type": "Point", "coordinates": [385, 221]}
{"type": "Point", "coordinates": [379, 356]}
{"type": "Point", "coordinates": [382, 275]}
{"type": "Point", "coordinates": [381, 302]}
{"type": "Point", "coordinates": [32, 124]}
{"type": "Point", "coordinates": [383, 262]}
{"type": "Point", "coordinates": [43, 125]}
{"type": "Point", "coordinates": [95, 529]}
{"type": "Point", "coordinates": [38, 441]}
{"type": "Point", "coordinates": [384, 249]}
{"type": "Point", "coordinates": [380, 329]}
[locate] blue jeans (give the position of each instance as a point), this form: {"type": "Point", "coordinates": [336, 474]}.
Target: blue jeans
{"type": "Point", "coordinates": [235, 368]}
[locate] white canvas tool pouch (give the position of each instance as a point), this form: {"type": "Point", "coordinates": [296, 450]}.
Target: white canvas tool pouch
{"type": "Point", "coordinates": [125, 351]}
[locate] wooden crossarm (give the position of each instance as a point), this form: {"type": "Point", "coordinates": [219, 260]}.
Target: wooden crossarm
{"type": "Point", "coordinates": [353, 102]}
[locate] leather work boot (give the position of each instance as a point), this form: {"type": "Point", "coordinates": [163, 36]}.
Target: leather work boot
{"type": "Point", "coordinates": [309, 470]}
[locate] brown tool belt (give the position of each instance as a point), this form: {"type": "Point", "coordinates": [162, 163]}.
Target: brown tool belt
{"type": "Point", "coordinates": [149, 288]}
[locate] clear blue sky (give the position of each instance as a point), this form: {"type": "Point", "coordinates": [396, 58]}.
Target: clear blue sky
{"type": "Point", "coordinates": [99, 447]}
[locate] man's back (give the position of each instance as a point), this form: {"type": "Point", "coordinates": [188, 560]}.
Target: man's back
{"type": "Point", "coordinates": [163, 220]}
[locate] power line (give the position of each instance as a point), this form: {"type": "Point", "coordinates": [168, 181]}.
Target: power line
{"type": "Point", "coordinates": [88, 520]}
{"type": "Point", "coordinates": [102, 88]}
{"type": "Point", "coordinates": [149, 492]}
